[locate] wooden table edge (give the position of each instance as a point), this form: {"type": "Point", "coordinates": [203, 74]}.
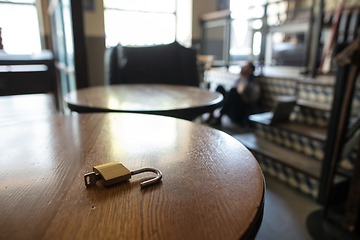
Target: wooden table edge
{"type": "Point", "coordinates": [256, 224]}
{"type": "Point", "coordinates": [182, 113]}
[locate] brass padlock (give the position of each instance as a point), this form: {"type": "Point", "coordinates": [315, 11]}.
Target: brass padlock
{"type": "Point", "coordinates": [115, 172]}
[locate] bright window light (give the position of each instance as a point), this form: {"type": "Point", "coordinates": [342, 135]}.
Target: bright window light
{"type": "Point", "coordinates": [257, 24]}
{"type": "Point", "coordinates": [256, 44]}
{"type": "Point", "coordinates": [164, 6]}
{"type": "Point", "coordinates": [139, 22]}
{"type": "Point", "coordinates": [241, 38]}
{"type": "Point", "coordinates": [137, 28]}
{"type": "Point", "coordinates": [21, 1]}
{"type": "Point", "coordinates": [240, 9]}
{"type": "Point", "coordinates": [20, 28]}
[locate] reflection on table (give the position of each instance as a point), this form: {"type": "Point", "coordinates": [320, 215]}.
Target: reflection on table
{"type": "Point", "coordinates": [212, 187]}
{"type": "Point", "coordinates": [168, 100]}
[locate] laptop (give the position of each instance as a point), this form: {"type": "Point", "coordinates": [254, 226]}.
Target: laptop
{"type": "Point", "coordinates": [281, 111]}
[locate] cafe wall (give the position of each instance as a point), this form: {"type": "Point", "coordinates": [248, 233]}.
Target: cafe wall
{"type": "Point", "coordinates": [200, 7]}
{"type": "Point", "coordinates": [95, 42]}
{"type": "Point", "coordinates": [44, 24]}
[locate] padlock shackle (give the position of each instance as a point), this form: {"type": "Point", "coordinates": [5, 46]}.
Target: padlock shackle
{"type": "Point", "coordinates": [151, 181]}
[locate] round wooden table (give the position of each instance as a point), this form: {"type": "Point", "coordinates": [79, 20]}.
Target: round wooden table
{"type": "Point", "coordinates": [168, 100]}
{"type": "Point", "coordinates": [212, 186]}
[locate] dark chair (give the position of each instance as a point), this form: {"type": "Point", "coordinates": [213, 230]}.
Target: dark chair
{"type": "Point", "coordinates": [161, 64]}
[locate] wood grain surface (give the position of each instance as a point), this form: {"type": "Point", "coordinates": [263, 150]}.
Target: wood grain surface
{"type": "Point", "coordinates": [168, 100]}
{"type": "Point", "coordinates": [212, 187]}
{"type": "Point", "coordinates": [27, 107]}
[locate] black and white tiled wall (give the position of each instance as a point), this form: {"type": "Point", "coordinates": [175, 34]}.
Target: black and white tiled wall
{"type": "Point", "coordinates": [309, 147]}
{"type": "Point", "coordinates": [293, 177]}
{"type": "Point", "coordinates": [316, 93]}
{"type": "Point", "coordinates": [319, 93]}
{"type": "Point", "coordinates": [271, 88]}
{"type": "Point", "coordinates": [310, 116]}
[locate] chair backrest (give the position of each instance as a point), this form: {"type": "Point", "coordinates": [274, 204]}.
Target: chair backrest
{"type": "Point", "coordinates": [162, 64]}
{"type": "Point", "coordinates": [28, 74]}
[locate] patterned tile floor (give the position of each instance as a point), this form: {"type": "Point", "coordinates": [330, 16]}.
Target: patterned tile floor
{"type": "Point", "coordinates": [286, 208]}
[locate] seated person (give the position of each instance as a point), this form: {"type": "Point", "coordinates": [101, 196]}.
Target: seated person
{"type": "Point", "coordinates": [240, 100]}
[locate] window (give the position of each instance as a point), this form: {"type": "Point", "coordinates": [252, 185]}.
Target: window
{"type": "Point", "coordinates": [277, 13]}
{"type": "Point", "coordinates": [139, 22]}
{"type": "Point", "coordinates": [246, 23]}
{"type": "Point", "coordinates": [20, 26]}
